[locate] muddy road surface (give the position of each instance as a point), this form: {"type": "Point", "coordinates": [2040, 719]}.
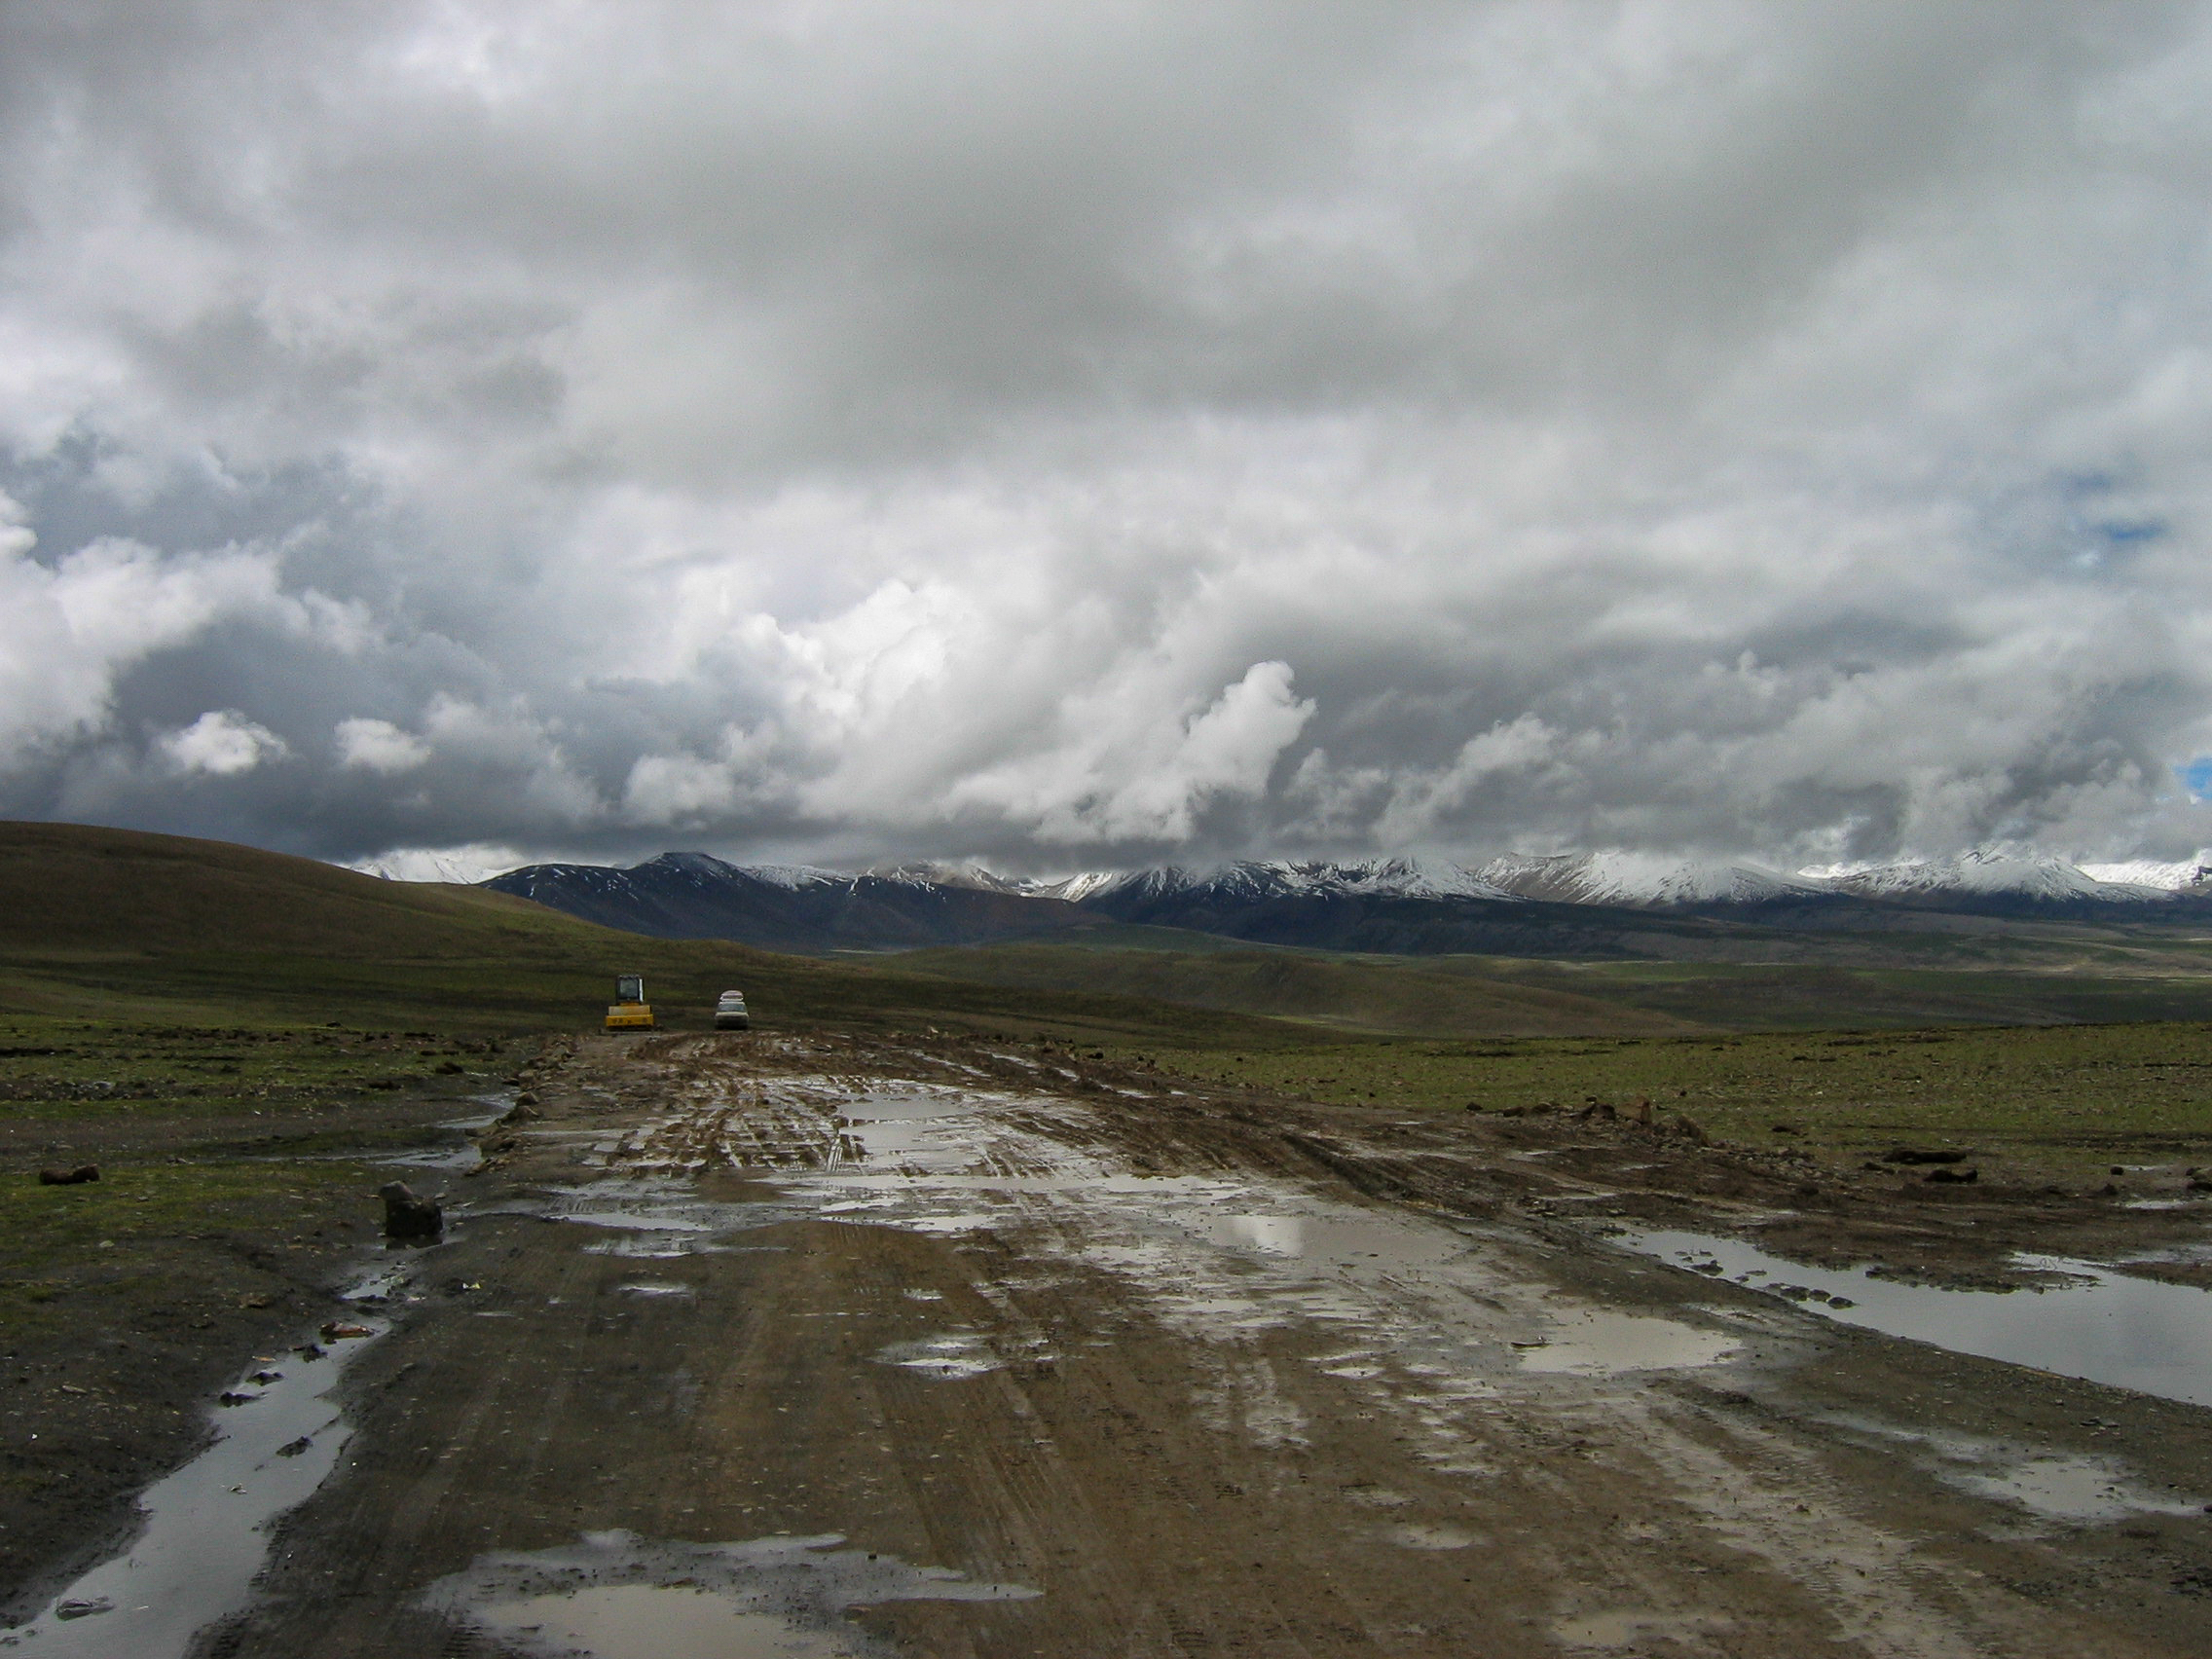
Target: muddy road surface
{"type": "Point", "coordinates": [755, 1345]}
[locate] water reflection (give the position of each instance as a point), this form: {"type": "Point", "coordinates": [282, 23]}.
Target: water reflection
{"type": "Point", "coordinates": [2097, 1324]}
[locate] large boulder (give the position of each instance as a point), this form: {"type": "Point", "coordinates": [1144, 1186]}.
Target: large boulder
{"type": "Point", "coordinates": [406, 1215]}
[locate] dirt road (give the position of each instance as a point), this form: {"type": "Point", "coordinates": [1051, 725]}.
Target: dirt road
{"type": "Point", "coordinates": [755, 1345]}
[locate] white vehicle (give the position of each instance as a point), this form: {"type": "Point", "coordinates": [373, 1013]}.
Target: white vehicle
{"type": "Point", "coordinates": [729, 1012]}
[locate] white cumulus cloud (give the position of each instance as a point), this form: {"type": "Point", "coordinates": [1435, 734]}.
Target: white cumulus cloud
{"type": "Point", "coordinates": [379, 746]}
{"type": "Point", "coordinates": [1043, 432]}
{"type": "Point", "coordinates": [221, 743]}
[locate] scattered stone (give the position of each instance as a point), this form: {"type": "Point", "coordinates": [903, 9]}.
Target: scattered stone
{"type": "Point", "coordinates": [1689, 1129]}
{"type": "Point", "coordinates": [76, 1177]}
{"type": "Point", "coordinates": [1785, 1129]}
{"type": "Point", "coordinates": [259, 1299]}
{"type": "Point", "coordinates": [229, 1399]}
{"type": "Point", "coordinates": [265, 1377]}
{"type": "Point", "coordinates": [337, 1332]}
{"type": "Point", "coordinates": [523, 1111]}
{"type": "Point", "coordinates": [408, 1216]}
{"type": "Point", "coordinates": [293, 1448]}
{"type": "Point", "coordinates": [1952, 1177]}
{"type": "Point", "coordinates": [1925, 1154]}
{"type": "Point", "coordinates": [308, 1351]}
{"type": "Point", "coordinates": [82, 1609]}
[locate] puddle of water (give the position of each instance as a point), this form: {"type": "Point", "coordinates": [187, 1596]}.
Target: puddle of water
{"type": "Point", "coordinates": [383, 1284]}
{"type": "Point", "coordinates": [2063, 1487]}
{"type": "Point", "coordinates": [1595, 1341]}
{"type": "Point", "coordinates": [1276, 1235]}
{"type": "Point", "coordinates": [466, 1156]}
{"type": "Point", "coordinates": [2102, 1326]}
{"type": "Point", "coordinates": [2057, 1486]}
{"type": "Point", "coordinates": [654, 1288]}
{"type": "Point", "coordinates": [921, 1128]}
{"type": "Point", "coordinates": [617, 1595]}
{"type": "Point", "coordinates": [643, 1621]}
{"type": "Point", "coordinates": [650, 1220]}
{"type": "Point", "coordinates": [650, 1622]}
{"type": "Point", "coordinates": [1377, 1497]}
{"type": "Point", "coordinates": [1335, 1238]}
{"type": "Point", "coordinates": [205, 1533]}
{"type": "Point", "coordinates": [949, 1358]}
{"type": "Point", "coordinates": [965, 1221]}
{"type": "Point", "coordinates": [1627, 1627]}
{"type": "Point", "coordinates": [1418, 1537]}
{"type": "Point", "coordinates": [650, 1247]}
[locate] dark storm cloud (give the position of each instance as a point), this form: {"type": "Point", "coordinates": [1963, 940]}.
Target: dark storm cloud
{"type": "Point", "coordinates": [1070, 434]}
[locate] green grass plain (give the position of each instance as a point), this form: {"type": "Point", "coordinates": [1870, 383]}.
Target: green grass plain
{"type": "Point", "coordinates": [2059, 1102]}
{"type": "Point", "coordinates": [1998, 974]}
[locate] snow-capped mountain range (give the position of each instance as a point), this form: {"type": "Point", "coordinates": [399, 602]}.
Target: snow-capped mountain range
{"type": "Point", "coordinates": [1260, 879]}
{"type": "Point", "coordinates": [1648, 880]}
{"type": "Point", "coordinates": [1637, 880]}
{"type": "Point", "coordinates": [1985, 873]}
{"type": "Point", "coordinates": [1516, 903]}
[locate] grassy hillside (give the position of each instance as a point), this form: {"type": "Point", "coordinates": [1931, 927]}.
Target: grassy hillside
{"type": "Point", "coordinates": [115, 925]}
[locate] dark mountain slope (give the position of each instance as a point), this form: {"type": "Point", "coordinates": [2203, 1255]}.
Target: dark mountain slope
{"type": "Point", "coordinates": [691, 896]}
{"type": "Point", "coordinates": [1410, 926]}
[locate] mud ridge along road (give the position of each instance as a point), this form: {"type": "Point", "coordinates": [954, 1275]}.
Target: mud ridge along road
{"type": "Point", "coordinates": [762, 1344]}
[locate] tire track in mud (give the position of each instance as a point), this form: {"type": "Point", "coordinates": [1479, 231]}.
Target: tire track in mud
{"type": "Point", "coordinates": [1199, 1372]}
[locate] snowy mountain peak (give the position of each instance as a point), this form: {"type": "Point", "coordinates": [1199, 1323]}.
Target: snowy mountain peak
{"type": "Point", "coordinates": [1075, 889]}
{"type": "Point", "coordinates": [2188, 874]}
{"type": "Point", "coordinates": [795, 877]}
{"type": "Point", "coordinates": [1280, 879]}
{"type": "Point", "coordinates": [1400, 878]}
{"type": "Point", "coordinates": [1639, 879]}
{"type": "Point", "coordinates": [974, 877]}
{"type": "Point", "coordinates": [706, 869]}
{"type": "Point", "coordinates": [463, 866]}
{"type": "Point", "coordinates": [1985, 873]}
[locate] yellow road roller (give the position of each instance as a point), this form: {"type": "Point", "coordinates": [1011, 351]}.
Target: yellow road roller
{"type": "Point", "coordinates": [630, 1011]}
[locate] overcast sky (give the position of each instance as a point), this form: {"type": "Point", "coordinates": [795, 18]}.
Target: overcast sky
{"type": "Point", "coordinates": [1074, 435]}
